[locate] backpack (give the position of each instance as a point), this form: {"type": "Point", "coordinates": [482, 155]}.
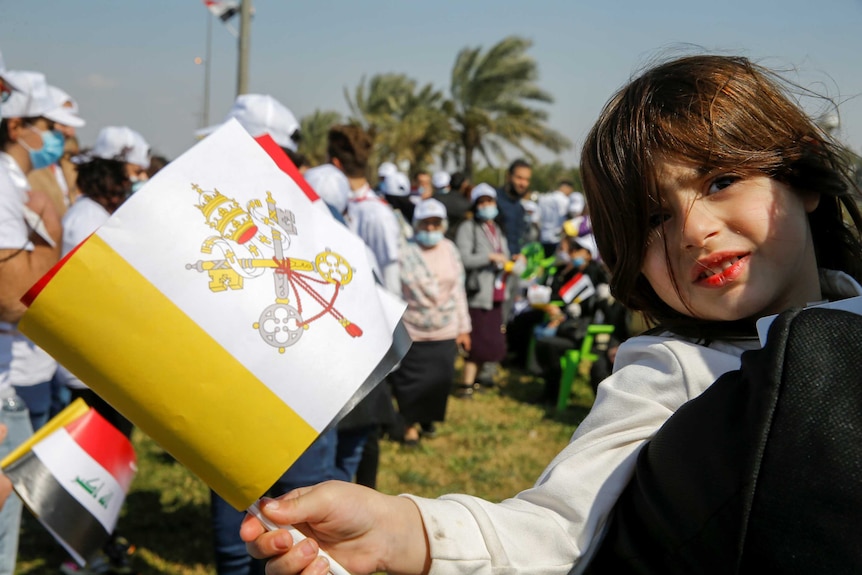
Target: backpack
{"type": "Point", "coordinates": [762, 473]}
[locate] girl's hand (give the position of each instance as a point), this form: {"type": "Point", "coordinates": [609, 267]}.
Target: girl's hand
{"type": "Point", "coordinates": [360, 528]}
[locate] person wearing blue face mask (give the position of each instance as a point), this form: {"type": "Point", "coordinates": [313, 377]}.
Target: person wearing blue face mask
{"type": "Point", "coordinates": [437, 319]}
{"type": "Point", "coordinates": [128, 146]}
{"type": "Point", "coordinates": [485, 252]}
{"type": "Point", "coordinates": [30, 237]}
{"type": "Point", "coordinates": [58, 179]}
{"type": "Point", "coordinates": [579, 296]}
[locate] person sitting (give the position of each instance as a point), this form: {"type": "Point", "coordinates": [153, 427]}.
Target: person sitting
{"type": "Point", "coordinates": [578, 294]}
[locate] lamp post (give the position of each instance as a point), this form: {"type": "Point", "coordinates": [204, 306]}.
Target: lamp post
{"type": "Point", "coordinates": [244, 46]}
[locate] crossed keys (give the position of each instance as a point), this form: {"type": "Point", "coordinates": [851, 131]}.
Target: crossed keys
{"type": "Point", "coordinates": [242, 246]}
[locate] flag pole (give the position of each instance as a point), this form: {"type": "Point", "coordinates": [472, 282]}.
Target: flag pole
{"type": "Point", "coordinates": [244, 45]}
{"type": "Point", "coordinates": [207, 68]}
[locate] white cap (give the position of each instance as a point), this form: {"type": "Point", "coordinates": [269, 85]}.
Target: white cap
{"type": "Point", "coordinates": [440, 180]}
{"type": "Point", "coordinates": [429, 208]}
{"type": "Point", "coordinates": [331, 185]}
{"type": "Point", "coordinates": [588, 242]}
{"type": "Point", "coordinates": [67, 104]}
{"type": "Point", "coordinates": [481, 190]}
{"type": "Point", "coordinates": [386, 169]}
{"type": "Point", "coordinates": [122, 143]}
{"type": "Point", "coordinates": [397, 184]}
{"type": "Point", "coordinates": [260, 114]}
{"type": "Point", "coordinates": [577, 203]}
{"type": "Point", "coordinates": [31, 99]}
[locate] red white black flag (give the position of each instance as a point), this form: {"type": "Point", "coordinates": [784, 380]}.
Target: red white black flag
{"type": "Point", "coordinates": [577, 289]}
{"type": "Point", "coordinates": [75, 481]}
{"type": "Point", "coordinates": [224, 10]}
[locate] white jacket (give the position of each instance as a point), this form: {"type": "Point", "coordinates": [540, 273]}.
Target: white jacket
{"type": "Point", "coordinates": [547, 529]}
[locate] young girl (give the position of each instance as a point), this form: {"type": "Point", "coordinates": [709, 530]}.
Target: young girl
{"type": "Point", "coordinates": [715, 201]}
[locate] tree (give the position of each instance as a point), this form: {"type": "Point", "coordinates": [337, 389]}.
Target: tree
{"type": "Point", "coordinates": [408, 122]}
{"type": "Point", "coordinates": [491, 97]}
{"type": "Point", "coordinates": [547, 176]}
{"type": "Point", "coordinates": [314, 129]}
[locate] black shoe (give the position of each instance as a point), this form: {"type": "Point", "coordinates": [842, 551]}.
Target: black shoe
{"type": "Point", "coordinates": [429, 430]}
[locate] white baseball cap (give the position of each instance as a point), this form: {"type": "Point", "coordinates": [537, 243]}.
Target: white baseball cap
{"type": "Point", "coordinates": [429, 208]}
{"type": "Point", "coordinates": [481, 190]}
{"type": "Point", "coordinates": [386, 169]}
{"type": "Point", "coordinates": [67, 104]}
{"type": "Point", "coordinates": [122, 143]}
{"type": "Point", "coordinates": [440, 180]}
{"type": "Point", "coordinates": [31, 99]}
{"type": "Point", "coordinates": [260, 114]}
{"type": "Point", "coordinates": [331, 185]}
{"type": "Point", "coordinates": [397, 184]}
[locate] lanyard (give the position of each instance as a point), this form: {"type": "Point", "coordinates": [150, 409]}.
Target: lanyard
{"type": "Point", "coordinates": [491, 233]}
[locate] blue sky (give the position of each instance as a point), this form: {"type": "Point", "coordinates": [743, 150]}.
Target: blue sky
{"type": "Point", "coordinates": [132, 62]}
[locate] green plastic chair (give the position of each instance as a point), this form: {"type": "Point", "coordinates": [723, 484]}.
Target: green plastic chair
{"type": "Point", "coordinates": [571, 361]}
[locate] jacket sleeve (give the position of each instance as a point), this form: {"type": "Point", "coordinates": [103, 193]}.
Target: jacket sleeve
{"type": "Point", "coordinates": [547, 529]}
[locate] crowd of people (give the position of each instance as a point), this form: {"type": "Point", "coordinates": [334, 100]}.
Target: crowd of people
{"type": "Point", "coordinates": [710, 200]}
{"type": "Point", "coordinates": [450, 249]}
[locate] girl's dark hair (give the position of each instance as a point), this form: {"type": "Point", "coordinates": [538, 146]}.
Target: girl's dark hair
{"type": "Point", "coordinates": [712, 112]}
{"type": "Point", "coordinates": [104, 181]}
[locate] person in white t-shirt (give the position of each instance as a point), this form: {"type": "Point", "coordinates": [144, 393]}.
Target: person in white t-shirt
{"type": "Point", "coordinates": [553, 211]}
{"type": "Point", "coordinates": [29, 246]}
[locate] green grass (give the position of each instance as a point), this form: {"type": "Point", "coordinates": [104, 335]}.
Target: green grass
{"type": "Point", "coordinates": [492, 446]}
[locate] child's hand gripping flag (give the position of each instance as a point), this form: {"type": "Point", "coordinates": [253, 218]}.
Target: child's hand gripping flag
{"type": "Point", "coordinates": [73, 474]}
{"type": "Point", "coordinates": [224, 314]}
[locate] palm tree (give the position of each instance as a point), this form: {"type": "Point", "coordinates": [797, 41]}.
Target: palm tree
{"type": "Point", "coordinates": [490, 104]}
{"type": "Point", "coordinates": [409, 125]}
{"type": "Point", "coordinates": [314, 129]}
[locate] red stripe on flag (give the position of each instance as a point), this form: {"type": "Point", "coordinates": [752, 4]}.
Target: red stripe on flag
{"type": "Point", "coordinates": [571, 283]}
{"type": "Point", "coordinates": [105, 444]}
{"type": "Point", "coordinates": [37, 287]}
{"type": "Point", "coordinates": [282, 161]}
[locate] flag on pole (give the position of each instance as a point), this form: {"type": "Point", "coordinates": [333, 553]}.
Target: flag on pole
{"type": "Point", "coordinates": [224, 10]}
{"type": "Point", "coordinates": [224, 313]}
{"type": "Point", "coordinates": [74, 474]}
{"type": "Point", "coordinates": [577, 289]}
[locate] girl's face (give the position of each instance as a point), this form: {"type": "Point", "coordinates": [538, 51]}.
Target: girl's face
{"type": "Point", "coordinates": [729, 246]}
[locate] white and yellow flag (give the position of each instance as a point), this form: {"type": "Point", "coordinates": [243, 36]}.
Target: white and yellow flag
{"type": "Point", "coordinates": [224, 313]}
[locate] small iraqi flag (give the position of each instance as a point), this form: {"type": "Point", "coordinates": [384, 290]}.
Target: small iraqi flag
{"type": "Point", "coordinates": [577, 289]}
{"type": "Point", "coordinates": [74, 478]}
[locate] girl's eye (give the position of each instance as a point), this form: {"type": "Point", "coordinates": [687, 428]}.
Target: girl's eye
{"type": "Point", "coordinates": [720, 183]}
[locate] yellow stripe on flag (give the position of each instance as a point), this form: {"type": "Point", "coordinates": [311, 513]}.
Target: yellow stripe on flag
{"type": "Point", "coordinates": [140, 352]}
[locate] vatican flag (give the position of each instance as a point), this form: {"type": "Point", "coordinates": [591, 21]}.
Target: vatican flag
{"type": "Point", "coordinates": [224, 313]}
